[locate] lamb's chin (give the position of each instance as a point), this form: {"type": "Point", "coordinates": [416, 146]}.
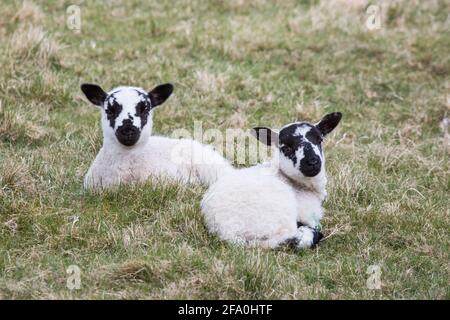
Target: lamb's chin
{"type": "Point", "coordinates": [303, 179]}
{"type": "Point", "coordinates": [128, 143]}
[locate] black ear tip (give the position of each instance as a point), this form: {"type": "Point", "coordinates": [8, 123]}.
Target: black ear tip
{"type": "Point", "coordinates": [165, 89]}
{"type": "Point", "coordinates": [86, 86]}
{"type": "Point", "coordinates": [169, 87]}
{"type": "Point", "coordinates": [334, 115]}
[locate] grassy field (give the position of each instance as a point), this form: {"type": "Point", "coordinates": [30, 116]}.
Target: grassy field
{"type": "Point", "coordinates": [235, 64]}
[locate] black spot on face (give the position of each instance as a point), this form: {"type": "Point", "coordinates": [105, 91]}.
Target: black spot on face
{"type": "Point", "coordinates": [113, 109]}
{"type": "Point", "coordinates": [315, 137]}
{"type": "Point", "coordinates": [289, 152]}
{"type": "Point", "coordinates": [143, 111]}
{"type": "Point", "coordinates": [289, 143]}
{"type": "Point", "coordinates": [143, 108]}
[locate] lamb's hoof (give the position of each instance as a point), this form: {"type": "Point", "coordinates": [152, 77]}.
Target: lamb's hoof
{"type": "Point", "coordinates": [316, 234]}
{"type": "Point", "coordinates": [317, 237]}
{"type": "Point", "coordinates": [305, 237]}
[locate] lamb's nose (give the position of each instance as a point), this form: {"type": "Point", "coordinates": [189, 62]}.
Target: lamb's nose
{"type": "Point", "coordinates": [313, 161]}
{"type": "Point", "coordinates": [129, 130]}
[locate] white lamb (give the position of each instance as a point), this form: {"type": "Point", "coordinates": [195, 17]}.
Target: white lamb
{"type": "Point", "coordinates": [278, 202]}
{"type": "Point", "coordinates": [131, 154]}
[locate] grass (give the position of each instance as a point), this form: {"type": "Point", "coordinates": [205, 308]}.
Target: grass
{"type": "Point", "coordinates": [235, 64]}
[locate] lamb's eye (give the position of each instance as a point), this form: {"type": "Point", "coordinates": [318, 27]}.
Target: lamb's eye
{"type": "Point", "coordinates": [141, 108]}
{"type": "Point", "coordinates": [288, 149]}
{"type": "Point", "coordinates": [110, 110]}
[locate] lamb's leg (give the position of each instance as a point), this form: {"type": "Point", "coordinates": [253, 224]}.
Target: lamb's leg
{"type": "Point", "coordinates": [303, 238]}
{"type": "Point", "coordinates": [309, 208]}
{"type": "Point", "coordinates": [309, 237]}
{"type": "Point", "coordinates": [294, 237]}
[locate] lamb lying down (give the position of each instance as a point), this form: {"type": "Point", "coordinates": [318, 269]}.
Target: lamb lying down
{"type": "Point", "coordinates": [279, 202]}
{"type": "Point", "coordinates": [131, 154]}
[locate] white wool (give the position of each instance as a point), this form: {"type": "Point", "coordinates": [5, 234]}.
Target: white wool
{"type": "Point", "coordinates": [258, 207]}
{"type": "Point", "coordinates": [115, 165]}
{"type": "Point", "coordinates": [236, 211]}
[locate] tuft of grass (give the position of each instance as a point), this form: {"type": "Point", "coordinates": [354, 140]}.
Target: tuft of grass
{"type": "Point", "coordinates": [16, 176]}
{"type": "Point", "coordinates": [16, 127]}
{"type": "Point", "coordinates": [29, 12]}
{"type": "Point", "coordinates": [235, 64]}
{"type": "Point", "coordinates": [33, 43]}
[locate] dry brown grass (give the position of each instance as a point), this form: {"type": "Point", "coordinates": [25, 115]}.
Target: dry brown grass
{"type": "Point", "coordinates": [15, 126]}
{"type": "Point", "coordinates": [207, 81]}
{"type": "Point", "coordinates": [31, 42]}
{"type": "Point", "coordinates": [15, 175]}
{"type": "Point", "coordinates": [29, 12]}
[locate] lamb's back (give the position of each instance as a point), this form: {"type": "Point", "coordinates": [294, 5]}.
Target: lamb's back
{"type": "Point", "coordinates": [188, 159]}
{"type": "Point", "coordinates": [250, 204]}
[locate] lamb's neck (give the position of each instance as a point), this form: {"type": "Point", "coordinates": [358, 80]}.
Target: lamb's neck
{"type": "Point", "coordinates": [120, 151]}
{"type": "Point", "coordinates": [316, 184]}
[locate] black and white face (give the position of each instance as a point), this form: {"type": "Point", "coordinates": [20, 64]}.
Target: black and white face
{"type": "Point", "coordinates": [300, 145]}
{"type": "Point", "coordinates": [127, 111]}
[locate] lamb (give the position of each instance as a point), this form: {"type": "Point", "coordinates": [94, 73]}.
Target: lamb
{"type": "Point", "coordinates": [278, 202]}
{"type": "Point", "coordinates": [131, 154]}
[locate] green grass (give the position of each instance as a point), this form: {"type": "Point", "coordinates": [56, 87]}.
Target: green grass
{"type": "Point", "coordinates": [235, 64]}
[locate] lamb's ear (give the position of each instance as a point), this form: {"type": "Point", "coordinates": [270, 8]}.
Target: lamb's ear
{"type": "Point", "coordinates": [94, 93]}
{"type": "Point", "coordinates": [329, 122]}
{"type": "Point", "coordinates": [160, 94]}
{"type": "Point", "coordinates": [265, 135]}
